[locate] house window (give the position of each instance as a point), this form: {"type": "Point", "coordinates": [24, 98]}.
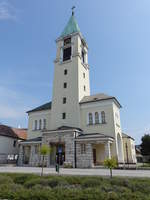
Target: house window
{"type": "Point", "coordinates": [83, 148]}
{"type": "Point", "coordinates": [84, 88]}
{"type": "Point", "coordinates": [67, 54]}
{"type": "Point", "coordinates": [83, 56]}
{"type": "Point", "coordinates": [103, 117]}
{"type": "Point", "coordinates": [83, 75]}
{"type": "Point", "coordinates": [35, 125]}
{"type": "Point", "coordinates": [65, 72]}
{"type": "Point", "coordinates": [63, 115]}
{"type": "Point", "coordinates": [65, 85]}
{"type": "Point", "coordinates": [64, 100]}
{"type": "Point", "coordinates": [14, 144]}
{"type": "Point", "coordinates": [44, 124]}
{"type": "Point", "coordinates": [40, 124]}
{"type": "Point", "coordinates": [96, 118]}
{"type": "Point", "coordinates": [90, 119]}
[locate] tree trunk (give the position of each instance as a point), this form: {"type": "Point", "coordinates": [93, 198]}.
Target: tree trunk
{"type": "Point", "coordinates": [110, 172]}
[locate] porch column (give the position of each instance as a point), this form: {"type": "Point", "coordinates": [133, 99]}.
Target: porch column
{"type": "Point", "coordinates": [20, 159]}
{"type": "Point", "coordinates": [32, 153]}
{"type": "Point", "coordinates": [107, 150]}
{"type": "Point", "coordinates": [48, 156]}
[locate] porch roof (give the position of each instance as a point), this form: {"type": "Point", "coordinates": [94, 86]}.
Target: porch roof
{"type": "Point", "coordinates": [33, 140]}
{"type": "Point", "coordinates": [64, 128]}
{"type": "Point", "coordinates": [94, 136]}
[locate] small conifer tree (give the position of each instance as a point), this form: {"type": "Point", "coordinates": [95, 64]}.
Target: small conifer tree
{"type": "Point", "coordinates": [44, 151]}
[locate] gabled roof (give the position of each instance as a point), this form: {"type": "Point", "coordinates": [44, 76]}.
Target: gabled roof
{"type": "Point", "coordinates": [21, 132]}
{"type": "Point", "coordinates": [7, 132]}
{"type": "Point", "coordinates": [45, 106]}
{"type": "Point", "coordinates": [18, 133]}
{"type": "Point", "coordinates": [71, 27]}
{"type": "Point", "coordinates": [97, 97]}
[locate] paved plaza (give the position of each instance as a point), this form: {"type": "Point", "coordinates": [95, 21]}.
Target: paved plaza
{"type": "Point", "coordinates": [82, 172]}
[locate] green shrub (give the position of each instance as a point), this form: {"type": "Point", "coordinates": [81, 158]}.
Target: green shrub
{"type": "Point", "coordinates": [34, 187]}
{"type": "Point", "coordinates": [5, 179]}
{"type": "Point", "coordinates": [50, 182]}
{"type": "Point", "coordinates": [91, 182]}
{"type": "Point", "coordinates": [112, 196]}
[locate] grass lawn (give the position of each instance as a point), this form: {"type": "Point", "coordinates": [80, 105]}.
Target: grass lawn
{"type": "Point", "coordinates": [34, 187]}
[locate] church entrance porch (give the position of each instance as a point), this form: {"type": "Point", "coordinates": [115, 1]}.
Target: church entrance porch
{"type": "Point", "coordinates": [93, 149]}
{"type": "Point", "coordinates": [101, 151]}
{"type": "Point", "coordinates": [57, 154]}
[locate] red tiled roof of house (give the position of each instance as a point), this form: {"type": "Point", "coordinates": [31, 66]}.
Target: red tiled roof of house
{"type": "Point", "coordinates": [8, 131]}
{"type": "Point", "coordinates": [21, 133]}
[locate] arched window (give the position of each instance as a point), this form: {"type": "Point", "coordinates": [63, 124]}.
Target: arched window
{"type": "Point", "coordinates": [103, 117]}
{"type": "Point", "coordinates": [96, 118]}
{"type": "Point", "coordinates": [44, 124]}
{"type": "Point", "coordinates": [40, 124]}
{"type": "Point", "coordinates": [35, 125]}
{"type": "Point", "coordinates": [90, 118]}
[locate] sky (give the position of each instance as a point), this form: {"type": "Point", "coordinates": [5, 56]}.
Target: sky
{"type": "Point", "coordinates": [118, 36]}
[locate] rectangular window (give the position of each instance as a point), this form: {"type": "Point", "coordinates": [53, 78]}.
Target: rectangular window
{"type": "Point", "coordinates": [63, 115]}
{"type": "Point", "coordinates": [14, 144]}
{"type": "Point", "coordinates": [65, 72]}
{"type": "Point", "coordinates": [67, 54]}
{"type": "Point", "coordinates": [37, 149]}
{"type": "Point", "coordinates": [83, 148]}
{"type": "Point", "coordinates": [64, 100]}
{"type": "Point", "coordinates": [35, 125]}
{"type": "Point", "coordinates": [84, 88]}
{"type": "Point", "coordinates": [44, 124]}
{"type": "Point", "coordinates": [83, 56]}
{"type": "Point", "coordinates": [83, 75]}
{"type": "Point", "coordinates": [65, 85]}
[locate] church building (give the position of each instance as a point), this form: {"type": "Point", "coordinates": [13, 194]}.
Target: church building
{"type": "Point", "coordinates": [81, 129]}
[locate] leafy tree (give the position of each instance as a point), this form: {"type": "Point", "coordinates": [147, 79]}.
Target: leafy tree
{"type": "Point", "coordinates": [44, 151]}
{"type": "Point", "coordinates": [110, 163]}
{"type": "Point", "coordinates": [145, 145]}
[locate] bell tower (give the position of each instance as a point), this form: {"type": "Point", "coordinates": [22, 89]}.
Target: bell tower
{"type": "Point", "coordinates": [71, 76]}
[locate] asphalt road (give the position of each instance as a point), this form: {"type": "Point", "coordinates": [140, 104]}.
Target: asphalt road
{"type": "Point", "coordinates": [82, 172]}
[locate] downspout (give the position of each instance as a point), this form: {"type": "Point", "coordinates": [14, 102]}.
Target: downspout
{"type": "Point", "coordinates": [75, 153]}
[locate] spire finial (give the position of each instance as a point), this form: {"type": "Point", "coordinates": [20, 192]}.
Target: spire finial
{"type": "Point", "coordinates": [73, 10]}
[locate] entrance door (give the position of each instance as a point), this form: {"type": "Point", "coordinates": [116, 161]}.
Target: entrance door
{"type": "Point", "coordinates": [60, 154]}
{"type": "Point", "coordinates": [94, 156]}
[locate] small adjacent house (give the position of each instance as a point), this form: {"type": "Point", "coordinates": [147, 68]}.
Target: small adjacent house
{"type": "Point", "coordinates": [9, 138]}
{"type": "Point", "coordinates": [139, 155]}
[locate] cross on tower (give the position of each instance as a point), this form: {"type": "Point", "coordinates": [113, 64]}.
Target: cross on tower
{"type": "Point", "coordinates": [73, 10]}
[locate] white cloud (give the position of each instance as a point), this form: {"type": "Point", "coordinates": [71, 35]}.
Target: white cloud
{"type": "Point", "coordinates": [7, 11]}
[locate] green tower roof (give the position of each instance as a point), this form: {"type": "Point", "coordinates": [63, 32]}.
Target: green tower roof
{"type": "Point", "coordinates": [72, 27]}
